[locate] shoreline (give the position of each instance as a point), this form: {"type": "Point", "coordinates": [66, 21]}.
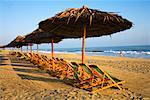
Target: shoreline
{"type": "Point", "coordinates": [72, 53]}
{"type": "Point", "coordinates": [94, 54]}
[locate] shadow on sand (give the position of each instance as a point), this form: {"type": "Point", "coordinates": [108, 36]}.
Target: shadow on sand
{"type": "Point", "coordinates": [28, 77]}
{"type": "Point", "coordinates": [18, 60]}
{"type": "Point", "coordinates": [1, 64]}
{"type": "Point", "coordinates": [2, 60]}
{"type": "Point", "coordinates": [29, 70]}
{"type": "Point", "coordinates": [23, 65]}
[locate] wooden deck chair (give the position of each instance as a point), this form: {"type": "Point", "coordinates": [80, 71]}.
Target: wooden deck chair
{"type": "Point", "coordinates": [53, 63]}
{"type": "Point", "coordinates": [23, 56]}
{"type": "Point", "coordinates": [110, 80]}
{"type": "Point", "coordinates": [34, 59]}
{"type": "Point", "coordinates": [18, 54]}
{"type": "Point", "coordinates": [65, 69]}
{"type": "Point", "coordinates": [14, 57]}
{"type": "Point", "coordinates": [27, 57]}
{"type": "Point", "coordinates": [12, 53]}
{"type": "Point", "coordinates": [97, 79]}
{"type": "Point", "coordinates": [57, 67]}
{"type": "Point", "coordinates": [44, 64]}
{"type": "Point", "coordinates": [89, 78]}
{"type": "Point", "coordinates": [87, 73]}
{"type": "Point", "coordinates": [70, 70]}
{"type": "Point", "coordinates": [82, 73]}
{"type": "Point", "coordinates": [45, 58]}
{"type": "Point", "coordinates": [50, 61]}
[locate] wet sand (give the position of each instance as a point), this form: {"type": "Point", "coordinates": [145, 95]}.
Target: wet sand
{"type": "Point", "coordinates": [26, 82]}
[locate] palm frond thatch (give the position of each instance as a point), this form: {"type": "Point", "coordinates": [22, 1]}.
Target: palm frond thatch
{"type": "Point", "coordinates": [17, 42]}
{"type": "Point", "coordinates": [70, 23]}
{"type": "Point", "coordinates": [38, 36]}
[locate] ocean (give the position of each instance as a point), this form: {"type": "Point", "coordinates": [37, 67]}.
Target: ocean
{"type": "Point", "coordinates": [126, 51]}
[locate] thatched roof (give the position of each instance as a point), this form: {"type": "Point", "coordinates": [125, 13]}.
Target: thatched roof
{"type": "Point", "coordinates": [70, 23]}
{"type": "Point", "coordinates": [17, 42]}
{"type": "Point", "coordinates": [38, 36]}
{"type": "Point", "coordinates": [3, 46]}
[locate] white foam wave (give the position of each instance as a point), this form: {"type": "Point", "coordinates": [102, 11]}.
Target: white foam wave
{"type": "Point", "coordinates": [128, 52]}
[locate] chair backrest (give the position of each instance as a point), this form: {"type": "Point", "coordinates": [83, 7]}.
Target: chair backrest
{"type": "Point", "coordinates": [86, 68]}
{"type": "Point", "coordinates": [61, 59]}
{"type": "Point", "coordinates": [43, 57]}
{"type": "Point", "coordinates": [100, 71]}
{"type": "Point", "coordinates": [57, 59]}
{"type": "Point", "coordinates": [75, 65]}
{"type": "Point", "coordinates": [18, 54]}
{"type": "Point", "coordinates": [97, 69]}
{"type": "Point", "coordinates": [25, 54]}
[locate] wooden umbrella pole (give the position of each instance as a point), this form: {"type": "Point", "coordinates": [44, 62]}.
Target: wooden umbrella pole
{"type": "Point", "coordinates": [37, 48]}
{"type": "Point", "coordinates": [52, 53]}
{"type": "Point", "coordinates": [31, 48]}
{"type": "Point", "coordinates": [83, 44]}
{"type": "Point", "coordinates": [52, 44]}
{"type": "Point", "coordinates": [27, 48]}
{"type": "Point", "coordinates": [21, 49]}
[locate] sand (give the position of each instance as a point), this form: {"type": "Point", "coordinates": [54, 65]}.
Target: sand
{"type": "Point", "coordinates": [26, 82]}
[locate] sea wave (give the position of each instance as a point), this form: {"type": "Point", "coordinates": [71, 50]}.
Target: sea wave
{"type": "Point", "coordinates": [107, 51]}
{"type": "Point", "coordinates": [128, 52]}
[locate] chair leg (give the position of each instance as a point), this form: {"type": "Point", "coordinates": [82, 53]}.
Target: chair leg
{"type": "Point", "coordinates": [97, 90]}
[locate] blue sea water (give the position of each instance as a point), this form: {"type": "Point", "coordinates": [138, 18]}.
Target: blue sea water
{"type": "Point", "coordinates": [127, 51]}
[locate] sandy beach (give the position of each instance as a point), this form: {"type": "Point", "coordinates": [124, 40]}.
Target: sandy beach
{"type": "Point", "coordinates": [135, 71]}
{"type": "Point", "coordinates": [22, 80]}
{"type": "Point", "coordinates": [74, 50]}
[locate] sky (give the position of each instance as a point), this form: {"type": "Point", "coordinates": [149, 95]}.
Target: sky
{"type": "Point", "coordinates": [20, 17]}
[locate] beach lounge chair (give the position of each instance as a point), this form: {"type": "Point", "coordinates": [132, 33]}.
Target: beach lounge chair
{"type": "Point", "coordinates": [23, 56]}
{"type": "Point", "coordinates": [53, 62]}
{"type": "Point", "coordinates": [43, 64]}
{"type": "Point", "coordinates": [95, 76]}
{"type": "Point", "coordinates": [12, 53]}
{"type": "Point", "coordinates": [35, 60]}
{"type": "Point", "coordinates": [27, 57]}
{"type": "Point", "coordinates": [107, 80]}
{"type": "Point", "coordinates": [82, 73]}
{"type": "Point", "coordinates": [88, 78]}
{"type": "Point", "coordinates": [65, 68]}
{"type": "Point", "coordinates": [56, 66]}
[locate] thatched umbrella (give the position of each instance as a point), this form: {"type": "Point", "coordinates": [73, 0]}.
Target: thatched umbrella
{"type": "Point", "coordinates": [3, 46]}
{"type": "Point", "coordinates": [72, 22]}
{"type": "Point", "coordinates": [39, 36]}
{"type": "Point", "coordinates": [17, 42]}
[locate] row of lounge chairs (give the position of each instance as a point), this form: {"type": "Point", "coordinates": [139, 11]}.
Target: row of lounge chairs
{"type": "Point", "coordinates": [88, 77]}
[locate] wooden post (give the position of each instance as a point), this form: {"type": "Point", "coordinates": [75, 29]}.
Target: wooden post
{"type": "Point", "coordinates": [37, 48]}
{"type": "Point", "coordinates": [27, 48]}
{"type": "Point", "coordinates": [18, 48]}
{"type": "Point", "coordinates": [30, 47]}
{"type": "Point", "coordinates": [21, 49]}
{"type": "Point", "coordinates": [52, 45]}
{"type": "Point", "coordinates": [52, 54]}
{"type": "Point", "coordinates": [83, 44]}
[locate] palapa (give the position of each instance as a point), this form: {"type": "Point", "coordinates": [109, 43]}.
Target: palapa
{"type": "Point", "coordinates": [17, 42]}
{"type": "Point", "coordinates": [38, 36]}
{"type": "Point", "coordinates": [72, 22]}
